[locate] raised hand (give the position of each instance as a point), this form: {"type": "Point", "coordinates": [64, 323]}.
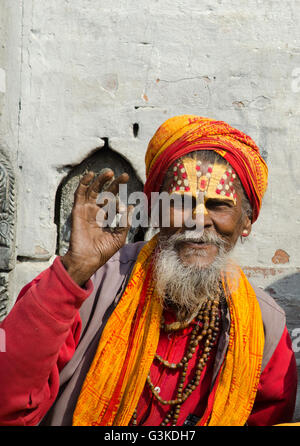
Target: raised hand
{"type": "Point", "coordinates": [90, 244]}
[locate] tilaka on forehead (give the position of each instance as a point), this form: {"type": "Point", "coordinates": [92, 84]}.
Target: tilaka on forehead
{"type": "Point", "coordinates": [215, 181]}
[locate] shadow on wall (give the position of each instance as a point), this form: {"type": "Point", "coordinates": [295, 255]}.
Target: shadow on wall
{"type": "Point", "coordinates": [286, 292]}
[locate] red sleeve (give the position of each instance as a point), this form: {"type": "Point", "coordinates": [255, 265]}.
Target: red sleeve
{"type": "Point", "coordinates": [41, 334]}
{"type": "Point", "coordinates": [276, 395]}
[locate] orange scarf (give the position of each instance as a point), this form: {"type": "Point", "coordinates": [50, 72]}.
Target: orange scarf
{"type": "Point", "coordinates": [118, 373]}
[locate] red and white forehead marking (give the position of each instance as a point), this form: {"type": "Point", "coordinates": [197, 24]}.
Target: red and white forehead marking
{"type": "Point", "coordinates": [181, 181]}
{"type": "Point", "coordinates": [225, 187]}
{"type": "Point", "coordinates": [214, 181]}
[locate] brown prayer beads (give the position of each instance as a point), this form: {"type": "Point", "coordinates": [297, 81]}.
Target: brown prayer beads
{"type": "Point", "coordinates": [208, 317]}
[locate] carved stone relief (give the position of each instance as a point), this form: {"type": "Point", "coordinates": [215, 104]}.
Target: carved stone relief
{"type": "Point", "coordinates": [102, 159]}
{"type": "Point", "coordinates": [3, 295]}
{"type": "Point", "coordinates": [7, 228]}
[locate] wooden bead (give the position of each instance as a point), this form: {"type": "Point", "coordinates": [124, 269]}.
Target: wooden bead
{"type": "Point", "coordinates": [207, 328]}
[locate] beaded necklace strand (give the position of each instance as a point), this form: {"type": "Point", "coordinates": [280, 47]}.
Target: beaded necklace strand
{"type": "Point", "coordinates": [206, 329]}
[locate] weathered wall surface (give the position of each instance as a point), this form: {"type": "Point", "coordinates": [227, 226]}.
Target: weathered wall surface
{"type": "Point", "coordinates": [73, 73]}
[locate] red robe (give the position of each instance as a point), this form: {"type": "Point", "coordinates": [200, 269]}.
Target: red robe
{"type": "Point", "coordinates": [43, 329]}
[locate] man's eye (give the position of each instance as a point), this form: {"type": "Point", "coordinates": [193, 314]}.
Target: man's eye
{"type": "Point", "coordinates": [218, 203]}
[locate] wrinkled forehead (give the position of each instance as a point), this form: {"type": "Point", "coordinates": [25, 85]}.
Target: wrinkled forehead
{"type": "Point", "coordinates": [210, 175]}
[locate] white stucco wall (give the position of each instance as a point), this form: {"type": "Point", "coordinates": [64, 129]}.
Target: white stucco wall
{"type": "Point", "coordinates": [83, 70]}
{"type": "Point", "coordinates": [74, 72]}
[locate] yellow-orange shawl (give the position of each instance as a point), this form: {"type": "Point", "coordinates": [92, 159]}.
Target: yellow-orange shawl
{"type": "Point", "coordinates": [117, 376]}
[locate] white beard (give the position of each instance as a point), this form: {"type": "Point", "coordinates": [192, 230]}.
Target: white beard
{"type": "Point", "coordinates": [186, 287]}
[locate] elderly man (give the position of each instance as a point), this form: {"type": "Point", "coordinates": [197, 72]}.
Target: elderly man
{"type": "Point", "coordinates": [168, 332]}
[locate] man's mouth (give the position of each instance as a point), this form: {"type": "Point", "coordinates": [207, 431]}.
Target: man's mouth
{"type": "Point", "coordinates": [195, 244]}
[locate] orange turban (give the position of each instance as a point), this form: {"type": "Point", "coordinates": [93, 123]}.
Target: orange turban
{"type": "Point", "coordinates": [187, 133]}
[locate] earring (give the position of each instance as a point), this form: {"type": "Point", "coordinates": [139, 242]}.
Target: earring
{"type": "Point", "coordinates": [243, 235]}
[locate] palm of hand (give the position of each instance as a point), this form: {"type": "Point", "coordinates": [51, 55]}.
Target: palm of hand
{"type": "Point", "coordinates": [90, 244]}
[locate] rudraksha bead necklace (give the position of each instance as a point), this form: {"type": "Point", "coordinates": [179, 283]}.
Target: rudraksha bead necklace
{"type": "Point", "coordinates": [206, 330]}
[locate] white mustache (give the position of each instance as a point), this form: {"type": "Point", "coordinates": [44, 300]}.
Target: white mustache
{"type": "Point", "coordinates": [193, 237]}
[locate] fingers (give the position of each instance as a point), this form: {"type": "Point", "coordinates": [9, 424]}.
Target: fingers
{"type": "Point", "coordinates": [83, 185]}
{"type": "Point", "coordinates": [111, 191]}
{"type": "Point", "coordinates": [111, 213]}
{"type": "Point", "coordinates": [114, 186]}
{"type": "Point", "coordinates": [115, 219]}
{"type": "Point", "coordinates": [120, 232]}
{"type": "Point", "coordinates": [98, 183]}
{"type": "Point", "coordinates": [89, 186]}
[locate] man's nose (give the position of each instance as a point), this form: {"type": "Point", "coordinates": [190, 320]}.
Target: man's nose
{"type": "Point", "coordinates": [201, 215]}
{"type": "Point", "coordinates": [200, 209]}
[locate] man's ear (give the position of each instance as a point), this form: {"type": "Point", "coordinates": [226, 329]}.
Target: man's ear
{"type": "Point", "coordinates": [246, 228]}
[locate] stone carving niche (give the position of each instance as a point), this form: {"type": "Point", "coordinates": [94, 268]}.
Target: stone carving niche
{"type": "Point", "coordinates": [101, 159]}
{"type": "Point", "coordinates": [7, 228]}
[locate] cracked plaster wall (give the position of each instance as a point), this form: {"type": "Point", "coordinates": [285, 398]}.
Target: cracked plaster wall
{"type": "Point", "coordinates": [75, 72]}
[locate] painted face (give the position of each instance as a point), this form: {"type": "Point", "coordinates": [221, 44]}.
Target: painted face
{"type": "Point", "coordinates": [203, 181]}
{"type": "Point", "coordinates": [216, 198]}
